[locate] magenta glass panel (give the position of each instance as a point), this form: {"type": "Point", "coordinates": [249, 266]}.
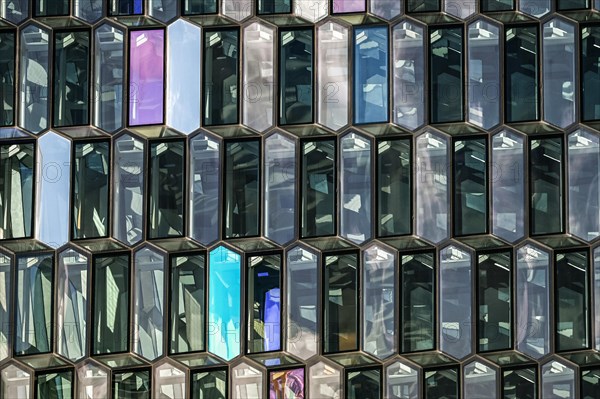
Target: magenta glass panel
{"type": "Point", "coordinates": [287, 384]}
{"type": "Point", "coordinates": [341, 6]}
{"type": "Point", "coordinates": [146, 77]}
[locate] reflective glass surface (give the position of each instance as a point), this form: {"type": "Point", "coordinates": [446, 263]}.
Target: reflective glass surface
{"type": "Point", "coordinates": [55, 385]}
{"type": "Point", "coordinates": [92, 382]}
{"type": "Point", "coordinates": [446, 74]}
{"type": "Point", "coordinates": [295, 76]}
{"type": "Point", "coordinates": [520, 383]}
{"type": "Point", "coordinates": [417, 275]}
{"type": "Point", "coordinates": [108, 78]}
{"type": "Point", "coordinates": [480, 381]}
{"type": "Point", "coordinates": [51, 8]}
{"type": "Point", "coordinates": [6, 301]}
{"type": "Point", "coordinates": [247, 382]}
{"type": "Point", "coordinates": [441, 383]}
{"type": "Point", "coordinates": [497, 5]}
{"type": "Point", "coordinates": [422, 5]}
{"type": "Point", "coordinates": [16, 190]}
{"type": "Point", "coordinates": [557, 380]}
{"type": "Point", "coordinates": [209, 384]}
{"type": "Point", "coordinates": [363, 384]}
{"type": "Point", "coordinates": [590, 75]}
{"type": "Point", "coordinates": [521, 73]}
{"type": "Point", "coordinates": [287, 384]}
{"type": "Point", "coordinates": [15, 11]}
{"type": "Point", "coordinates": [401, 381]}
{"type": "Point", "coordinates": [325, 381]}
{"type": "Point", "coordinates": [169, 382]}
{"type": "Point", "coordinates": [125, 7]}
{"type": "Point", "coordinates": [136, 384]}
{"type": "Point", "coordinates": [7, 76]}
{"type": "Point", "coordinates": [394, 178]}
{"type": "Point", "coordinates": [191, 7]}
{"type": "Point", "coordinates": [274, 6]}
{"type": "Point", "coordinates": [546, 185]}
{"type": "Point", "coordinates": [33, 113]}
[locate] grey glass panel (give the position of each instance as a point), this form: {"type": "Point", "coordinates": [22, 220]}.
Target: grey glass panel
{"type": "Point", "coordinates": [520, 383]}
{"type": "Point", "coordinates": [209, 384]}
{"type": "Point", "coordinates": [33, 329]}
{"type": "Point", "coordinates": [312, 10]}
{"type": "Point", "coordinates": [497, 5]}
{"type": "Point", "coordinates": [494, 312]}
{"type": "Point", "coordinates": [247, 382]}
{"type": "Point", "coordinates": [590, 74]}
{"type": "Point", "coordinates": [394, 187]}
{"type": "Point", "coordinates": [90, 190]}
{"type": "Point", "coordinates": [187, 308]}
{"type": "Point", "coordinates": [479, 381]}
{"type": "Point", "coordinates": [521, 73]}
{"type": "Point", "coordinates": [401, 382]}
{"type": "Point", "coordinates": [7, 77]}
{"type": "Point", "coordinates": [558, 381]}
{"type": "Point", "coordinates": [295, 76]}
{"type": "Point", "coordinates": [318, 190]}
{"type": "Point", "coordinates": [596, 298]}
{"type": "Point", "coordinates": [340, 303]}
{"type": "Point", "coordinates": [274, 6]}
{"type": "Point", "coordinates": [264, 303]}
{"type": "Point", "coordinates": [88, 10]}
{"type": "Point", "coordinates": [355, 188]}
{"type": "Point", "coordinates": [470, 187]}
{"type": "Point", "coordinates": [220, 69]}
{"type": "Point", "coordinates": [50, 8]}
{"type": "Point", "coordinates": [441, 383]}
{"type": "Point", "coordinates": [132, 385]}
{"type": "Point", "coordinates": [16, 190]}
{"type": "Point", "coordinates": [6, 300]}
{"type": "Point", "coordinates": [446, 74]}
{"type": "Point", "coordinates": [242, 185]}
{"type": "Point", "coordinates": [163, 10]}
{"type": "Point", "coordinates": [15, 10]}
{"type": "Point", "coordinates": [418, 302]}
{"type": "Point", "coordinates": [572, 4]}
{"type": "Point", "coordinates": [325, 382]}
{"type": "Point", "coordinates": [170, 382]}
{"type": "Point", "coordinates": [125, 7]}
{"type": "Point", "coordinates": [34, 70]}
{"type": "Point", "coordinates": [111, 304]}
{"type": "Point", "coordinates": [536, 8]}
{"type": "Point", "coordinates": [362, 384]}
{"type": "Point", "coordinates": [589, 383]}
{"type": "Point", "coordinates": [422, 5]}
{"type": "Point", "coordinates": [546, 184]}
{"type": "Point", "coordinates": [55, 385]}
{"type": "Point", "coordinates": [92, 382]}
{"type": "Point", "coordinates": [108, 80]}
{"type": "Point", "coordinates": [191, 7]}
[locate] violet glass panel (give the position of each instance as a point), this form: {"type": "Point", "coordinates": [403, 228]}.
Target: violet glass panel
{"type": "Point", "coordinates": [341, 6]}
{"type": "Point", "coordinates": [287, 384]}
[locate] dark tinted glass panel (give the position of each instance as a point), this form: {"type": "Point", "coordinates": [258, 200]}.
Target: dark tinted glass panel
{"type": "Point", "coordinates": [494, 300]}
{"type": "Point", "coordinates": [470, 187]}
{"type": "Point", "coordinates": [519, 384]}
{"type": "Point", "coordinates": [264, 303]}
{"type": "Point", "coordinates": [132, 385]}
{"type": "Point", "coordinates": [125, 7]}
{"type": "Point", "coordinates": [242, 180]}
{"type": "Point", "coordinates": [51, 7]}
{"type": "Point", "coordinates": [590, 72]}
{"type": "Point", "coordinates": [393, 187]}
{"type": "Point", "coordinates": [340, 302]}
{"type": "Point", "coordinates": [363, 384]}
{"type": "Point", "coordinates": [497, 5]}
{"type": "Point", "coordinates": [521, 73]}
{"type": "Point", "coordinates": [418, 302]}
{"type": "Point", "coordinates": [221, 77]}
{"type": "Point", "coordinates": [571, 301]}
{"type": "Point", "coordinates": [546, 186]}
{"type": "Point", "coordinates": [55, 385]}
{"type": "Point", "coordinates": [441, 384]}
{"type": "Point", "coordinates": [16, 190]}
{"type": "Point", "coordinates": [274, 6]}
{"type": "Point", "coordinates": [209, 385]}
{"type": "Point", "coordinates": [446, 74]}
{"type": "Point", "coordinates": [318, 191]}
{"type": "Point", "coordinates": [7, 78]}
{"type": "Point", "coordinates": [423, 5]}
{"type": "Point", "coordinates": [296, 76]}
{"type": "Point", "coordinates": [191, 7]}
{"type": "Point", "coordinates": [589, 384]}
{"type": "Point", "coordinates": [71, 78]}
{"type": "Point", "coordinates": [167, 194]}
{"type": "Point", "coordinates": [572, 4]}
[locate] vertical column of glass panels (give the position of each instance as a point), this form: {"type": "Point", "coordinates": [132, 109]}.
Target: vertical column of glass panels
{"type": "Point", "coordinates": [125, 7]}
{"type": "Point", "coordinates": [521, 73]}
{"type": "Point", "coordinates": [401, 381]}
{"type": "Point", "coordinates": [348, 6]}
{"type": "Point", "coordinates": [110, 324]}
{"type": "Point", "coordinates": [295, 76]}
{"type": "Point", "coordinates": [379, 302]}
{"type": "Point", "coordinates": [224, 303]}
{"type": "Point", "coordinates": [7, 76]}
{"type": "Point", "coordinates": [194, 7]}
{"type": "Point", "coordinates": [355, 188]}
{"type": "Point", "coordinates": [590, 75]}
{"type": "Point", "coordinates": [211, 383]}
{"type": "Point", "coordinates": [131, 384]}
{"type": "Point", "coordinates": [146, 77]}
{"type": "Point", "coordinates": [546, 185]}
{"type": "Point", "coordinates": [15, 11]}
{"type": "Point", "coordinates": [483, 53]}
{"type": "Point", "coordinates": [318, 188]}
{"type": "Point", "coordinates": [533, 302]}
{"type": "Point", "coordinates": [371, 74]}
{"type": "Point", "coordinates": [92, 381]}
{"type": "Point", "coordinates": [34, 71]}
{"type": "Point", "coordinates": [45, 8]}
{"type": "Point", "coordinates": [446, 74]}
{"type": "Point", "coordinates": [479, 381]}
{"type": "Point", "coordinates": [363, 384]}
{"type": "Point", "coordinates": [409, 75]}
{"type": "Point", "coordinates": [15, 383]}
{"type": "Point", "coordinates": [584, 189]}
{"type": "Point", "coordinates": [332, 73]}
{"type": "Point", "coordinates": [470, 187]}
{"type": "Point", "coordinates": [280, 188]}
{"type": "Point", "coordinates": [247, 382]}
{"type": "Point", "coordinates": [184, 96]}
{"type": "Point", "coordinates": [340, 303]}
{"type": "Point", "coordinates": [6, 300]}
{"type": "Point", "coordinates": [170, 382]}
{"type": "Point", "coordinates": [557, 380]}
{"type": "Point", "coordinates": [204, 186]}
{"type": "Point", "coordinates": [287, 382]}
{"type": "Point", "coordinates": [220, 70]}
{"type": "Point", "coordinates": [109, 78]}
{"type": "Point", "coordinates": [431, 181]}
{"type": "Point", "coordinates": [90, 198]}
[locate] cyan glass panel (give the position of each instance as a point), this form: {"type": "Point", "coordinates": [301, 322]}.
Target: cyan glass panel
{"type": "Point", "coordinates": [125, 7]}
{"type": "Point", "coordinates": [341, 313]}
{"type": "Point", "coordinates": [280, 188]}
{"type": "Point", "coordinates": [224, 303]}
{"type": "Point", "coordinates": [247, 382]}
{"type": "Point", "coordinates": [258, 86]}
{"type": "Point", "coordinates": [210, 384]}
{"type": "Point", "coordinates": [417, 279]}
{"type": "Point", "coordinates": [536, 8]}
{"type": "Point", "coordinates": [295, 76]}
{"type": "Point", "coordinates": [15, 11]}
{"type": "Point", "coordinates": [72, 302]}
{"type": "Point", "coordinates": [183, 76]}
{"type": "Point", "coordinates": [92, 382]}
{"type": "Point", "coordinates": [163, 10]}
{"type": "Point", "coordinates": [508, 186]}
{"type": "Point", "coordinates": [205, 183]}
{"type": "Point", "coordinates": [51, 8]}
{"type": "Point", "coordinates": [302, 307]}
{"type": "Point", "coordinates": [7, 77]}
{"type": "Point", "coordinates": [242, 188]}
{"type": "Point", "coordinates": [347, 6]}
{"type": "Point", "coordinates": [34, 71]}
{"type": "Point", "coordinates": [409, 75]}
{"type": "Point", "coordinates": [533, 302]}
{"type": "Point", "coordinates": [470, 187]}
{"type": "Point", "coordinates": [332, 72]}
{"type": "Point", "coordinates": [187, 307]}
{"type": "Point", "coordinates": [53, 190]}
{"type": "Point", "coordinates": [431, 181]}
{"type": "Point", "coordinates": [386, 9]}
{"type": "Point", "coordinates": [521, 73]}
{"type": "Point", "coordinates": [128, 194]}
{"type": "Point", "coordinates": [558, 380]}
{"type": "Point", "coordinates": [596, 288]}
{"type": "Point", "coordinates": [16, 190]}
{"type": "Point", "coordinates": [479, 381]}
{"type": "Point", "coordinates": [363, 384]}
{"type": "Point", "coordinates": [220, 71]}
{"type": "Point", "coordinates": [108, 79]}
{"type": "Point", "coordinates": [131, 384]}
{"type": "Point", "coordinates": [318, 190]}
{"type": "Point", "coordinates": [379, 302]}
{"type": "Point", "coordinates": [88, 10]}
{"type": "Point", "coordinates": [91, 181]}
{"type": "Point", "coordinates": [111, 304]}
{"type": "Point", "coordinates": [169, 382]}
{"type": "Point", "coordinates": [590, 75]}
{"type": "Point", "coordinates": [394, 170]}
{"type": "Point", "coordinates": [191, 7]}
{"type": "Point", "coordinates": [483, 53]}
{"type": "Point", "coordinates": [274, 6]}
{"type": "Point", "coordinates": [494, 292]}
{"type": "Point", "coordinates": [441, 383]}
{"type": "Point", "coordinates": [355, 188]}
{"type": "Point", "coordinates": [422, 5]}
{"type": "Point", "coordinates": [34, 316]}
{"type": "Point", "coordinates": [287, 383]}
{"type": "Point", "coordinates": [497, 5]}
{"type": "Point", "coordinates": [6, 299]}
{"type": "Point", "coordinates": [15, 383]}
{"type": "Point", "coordinates": [401, 381]}
{"type": "Point", "coordinates": [446, 74]}
{"type": "Point", "coordinates": [559, 80]}
{"type": "Point", "coordinates": [584, 190]}
{"type": "Point", "coordinates": [546, 184]}
{"type": "Point", "coordinates": [520, 383]}
{"type": "Point", "coordinates": [264, 303]}
{"type": "Point", "coordinates": [371, 74]}
{"type": "Point", "coordinates": [325, 382]}
{"type": "Point", "coordinates": [146, 76]}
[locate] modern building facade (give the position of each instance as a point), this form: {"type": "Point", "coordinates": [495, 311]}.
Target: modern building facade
{"type": "Point", "coordinates": [321, 199]}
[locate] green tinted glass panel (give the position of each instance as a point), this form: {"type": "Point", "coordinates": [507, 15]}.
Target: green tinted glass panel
{"type": "Point", "coordinates": [446, 74]}
{"type": "Point", "coordinates": [470, 187]}
{"type": "Point", "coordinates": [51, 7]}
{"type": "Point", "coordinates": [362, 384]}
{"type": "Point", "coordinates": [441, 383]}
{"type": "Point", "coordinates": [274, 6]}
{"type": "Point", "coordinates": [571, 301]}
{"type": "Point", "coordinates": [590, 73]}
{"type": "Point", "coordinates": [55, 385]}
{"type": "Point", "coordinates": [7, 78]}
{"type": "Point", "coordinates": [423, 5]}
{"type": "Point", "coordinates": [132, 385]}
{"type": "Point", "coordinates": [521, 73]}
{"type": "Point", "coordinates": [191, 7]}
{"type": "Point", "coordinates": [572, 4]}
{"type": "Point", "coordinates": [546, 183]}
{"type": "Point", "coordinates": [590, 380]}
{"type": "Point", "coordinates": [497, 5]}
{"type": "Point", "coordinates": [296, 76]}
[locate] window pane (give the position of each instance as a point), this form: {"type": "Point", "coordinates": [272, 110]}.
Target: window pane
{"type": "Point", "coordinates": [55, 385]}
{"type": "Point", "coordinates": [402, 381]}
{"type": "Point", "coordinates": [572, 4]}
{"type": "Point", "coordinates": [446, 75]}
{"type": "Point", "coordinates": [287, 384]}
{"type": "Point", "coordinates": [497, 5]}
{"type": "Point", "coordinates": [394, 187]}
{"type": "Point", "coordinates": [15, 383]}
{"type": "Point", "coordinates": [589, 382]}
{"type": "Point", "coordinates": [441, 383]}
{"type": "Point", "coordinates": [521, 73]}
{"type": "Point", "coordinates": [274, 6]}
{"type": "Point", "coordinates": [34, 71]}
{"type": "Point", "coordinates": [136, 384]}
{"type": "Point", "coordinates": [557, 380]}
{"type": "Point", "coordinates": [51, 7]}
{"type": "Point", "coordinates": [296, 76]}
{"type": "Point", "coordinates": [92, 381]}
{"type": "Point", "coordinates": [590, 53]}
{"type": "Point", "coordinates": [6, 300]}
{"type": "Point", "coordinates": [363, 384]}
{"type": "Point", "coordinates": [90, 10]}
{"type": "Point", "coordinates": [108, 84]}
{"type": "Point", "coordinates": [211, 384]}
{"type": "Point", "coordinates": [596, 297]}
{"type": "Point", "coordinates": [480, 381]}
{"type": "Point", "coordinates": [546, 186]}
{"type": "Point", "coordinates": [15, 11]}
{"type": "Point", "coordinates": [423, 5]}
{"type": "Point", "coordinates": [7, 77]}
{"type": "Point", "coordinates": [191, 7]}
{"type": "Point", "coordinates": [125, 7]}
{"type": "Point", "coordinates": [347, 6]}
{"type": "Point", "coordinates": [519, 383]}
{"type": "Point", "coordinates": [418, 302]}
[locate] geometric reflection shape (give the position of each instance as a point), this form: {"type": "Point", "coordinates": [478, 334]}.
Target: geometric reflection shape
{"type": "Point", "coordinates": [15, 383]}
{"type": "Point", "coordinates": [325, 382]}
{"type": "Point", "coordinates": [401, 381]}
{"type": "Point", "coordinates": [287, 384]}
{"type": "Point", "coordinates": [479, 381]}
{"type": "Point", "coordinates": [34, 74]}
{"type": "Point", "coordinates": [247, 382]}
{"type": "Point", "coordinates": [109, 78]}
{"type": "Point", "coordinates": [169, 382]}
{"type": "Point", "coordinates": [92, 382]}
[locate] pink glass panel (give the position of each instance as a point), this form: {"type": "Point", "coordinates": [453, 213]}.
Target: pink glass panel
{"type": "Point", "coordinates": [341, 6]}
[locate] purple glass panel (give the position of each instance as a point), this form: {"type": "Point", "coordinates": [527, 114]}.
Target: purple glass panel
{"type": "Point", "coordinates": [341, 6]}
{"type": "Point", "coordinates": [146, 77]}
{"type": "Point", "coordinates": [287, 384]}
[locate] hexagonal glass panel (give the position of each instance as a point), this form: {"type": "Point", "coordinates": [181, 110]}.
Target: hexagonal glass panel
{"type": "Point", "coordinates": [558, 380]}
{"type": "Point", "coordinates": [325, 382]}
{"type": "Point", "coordinates": [479, 381]}
{"type": "Point", "coordinates": [247, 382]}
{"type": "Point", "coordinates": [92, 382]}
{"type": "Point", "coordinates": [520, 383]}
{"type": "Point", "coordinates": [535, 8]}
{"type": "Point", "coordinates": [401, 381]}
{"type": "Point", "coordinates": [590, 51]}
{"type": "Point", "coordinates": [15, 11]}
{"type": "Point", "coordinates": [287, 384]}
{"type": "Point", "coordinates": [131, 384]}
{"type": "Point", "coordinates": [50, 8]}
{"type": "Point", "coordinates": [212, 383]}
{"type": "Point", "coordinates": [441, 383]}
{"type": "Point", "coordinates": [363, 384]}
{"type": "Point", "coordinates": [169, 382]}
{"type": "Point", "coordinates": [596, 298]}
{"type": "Point", "coordinates": [236, 9]}
{"type": "Point", "coordinates": [34, 71]}
{"type": "Point", "coordinates": [446, 74]}
{"type": "Point", "coordinates": [386, 9]}
{"type": "Point", "coordinates": [7, 75]}
{"type": "Point", "coordinates": [521, 96]}
{"type": "Point", "coordinates": [163, 10]}
{"type": "Point", "coordinates": [108, 78]}
{"type": "Point", "coordinates": [125, 7]}
{"type": "Point", "coordinates": [5, 305]}
{"type": "Point", "coordinates": [89, 11]}
{"type": "Point", "coordinates": [15, 383]}
{"type": "Point", "coordinates": [55, 385]}
{"type": "Point", "coordinates": [546, 185]}
{"type": "Point", "coordinates": [461, 9]}
{"type": "Point", "coordinates": [296, 76]}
